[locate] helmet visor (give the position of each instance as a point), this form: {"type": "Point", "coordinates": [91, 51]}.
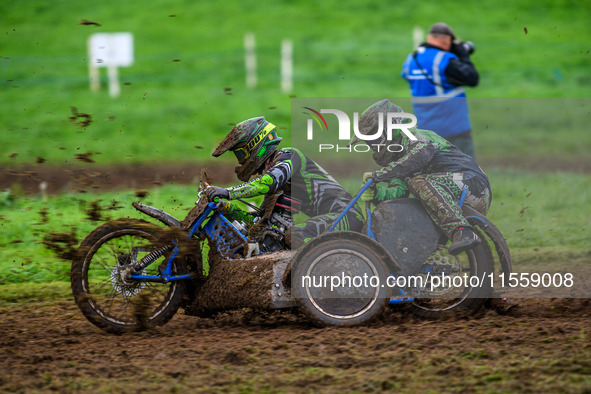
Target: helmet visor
{"type": "Point", "coordinates": [241, 155]}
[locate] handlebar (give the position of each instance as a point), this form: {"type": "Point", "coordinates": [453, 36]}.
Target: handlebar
{"type": "Point", "coordinates": [365, 187]}
{"type": "Point", "coordinates": [217, 200]}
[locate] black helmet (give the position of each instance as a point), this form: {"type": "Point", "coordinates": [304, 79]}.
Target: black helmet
{"type": "Point", "coordinates": [253, 142]}
{"type": "Point", "coordinates": [369, 124]}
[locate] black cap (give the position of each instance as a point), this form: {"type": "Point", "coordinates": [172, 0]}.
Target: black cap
{"type": "Point", "coordinates": [442, 28]}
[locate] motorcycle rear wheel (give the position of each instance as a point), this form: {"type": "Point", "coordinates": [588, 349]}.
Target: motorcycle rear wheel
{"type": "Point", "coordinates": [461, 297]}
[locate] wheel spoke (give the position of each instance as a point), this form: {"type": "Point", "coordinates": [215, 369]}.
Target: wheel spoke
{"type": "Point", "coordinates": [109, 300]}
{"type": "Point", "coordinates": [156, 289]}
{"type": "Point", "coordinates": [100, 285]}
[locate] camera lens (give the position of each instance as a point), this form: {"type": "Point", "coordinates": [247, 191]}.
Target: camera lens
{"type": "Point", "coordinates": [469, 47]}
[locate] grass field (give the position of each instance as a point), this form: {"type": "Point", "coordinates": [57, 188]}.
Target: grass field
{"type": "Point", "coordinates": [187, 83]}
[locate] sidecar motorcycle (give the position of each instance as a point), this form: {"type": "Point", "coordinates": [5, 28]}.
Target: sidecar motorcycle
{"type": "Point", "coordinates": [130, 274]}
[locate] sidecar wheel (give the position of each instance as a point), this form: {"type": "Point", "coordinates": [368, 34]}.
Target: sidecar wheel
{"type": "Point", "coordinates": [341, 255]}
{"type": "Point", "coordinates": [111, 303]}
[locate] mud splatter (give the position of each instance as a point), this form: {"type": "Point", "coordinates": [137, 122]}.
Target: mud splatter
{"type": "Point", "coordinates": [80, 119]}
{"type": "Point", "coordinates": [44, 215]}
{"type": "Point", "coordinates": [244, 283]}
{"type": "Point", "coordinates": [64, 245]}
{"type": "Point", "coordinates": [95, 211]}
{"type": "Point", "coordinates": [141, 193]}
{"type": "Point", "coordinates": [84, 157]}
{"type": "Point", "coordinates": [85, 22]}
{"type": "Point", "coordinates": [115, 205]}
{"type": "Point", "coordinates": [141, 311]}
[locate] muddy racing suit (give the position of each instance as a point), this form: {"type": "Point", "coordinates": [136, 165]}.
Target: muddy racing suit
{"type": "Point", "coordinates": [435, 172]}
{"type": "Point", "coordinates": [322, 197]}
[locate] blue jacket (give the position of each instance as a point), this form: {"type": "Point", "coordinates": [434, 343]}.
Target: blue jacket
{"type": "Point", "coordinates": [436, 78]}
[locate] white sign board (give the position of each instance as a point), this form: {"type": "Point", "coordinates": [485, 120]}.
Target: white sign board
{"type": "Point", "coordinates": [111, 49]}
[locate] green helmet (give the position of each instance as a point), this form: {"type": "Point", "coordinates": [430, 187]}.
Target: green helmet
{"type": "Point", "coordinates": [253, 142]}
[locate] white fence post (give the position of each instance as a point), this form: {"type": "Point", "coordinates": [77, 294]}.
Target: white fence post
{"type": "Point", "coordinates": [93, 70]}
{"type": "Point", "coordinates": [114, 88]}
{"type": "Point", "coordinates": [418, 36]}
{"type": "Point", "coordinates": [286, 66]}
{"type": "Point", "coordinates": [250, 61]}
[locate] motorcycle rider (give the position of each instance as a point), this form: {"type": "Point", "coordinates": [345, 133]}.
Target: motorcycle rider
{"type": "Point", "coordinates": [255, 144]}
{"type": "Point", "coordinates": [433, 170]}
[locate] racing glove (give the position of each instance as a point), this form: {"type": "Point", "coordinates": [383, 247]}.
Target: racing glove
{"type": "Point", "coordinates": [213, 191]}
{"type": "Point", "coordinates": [370, 193]}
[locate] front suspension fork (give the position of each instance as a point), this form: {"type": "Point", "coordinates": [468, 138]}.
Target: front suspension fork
{"type": "Point", "coordinates": [153, 256]}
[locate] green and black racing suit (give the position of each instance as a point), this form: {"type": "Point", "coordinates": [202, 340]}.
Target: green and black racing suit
{"type": "Point", "coordinates": [436, 172]}
{"type": "Point", "coordinates": [322, 197]}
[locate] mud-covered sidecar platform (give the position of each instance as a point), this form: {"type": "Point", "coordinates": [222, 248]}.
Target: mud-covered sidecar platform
{"type": "Point", "coordinates": [260, 282]}
{"type": "Point", "coordinates": [305, 279]}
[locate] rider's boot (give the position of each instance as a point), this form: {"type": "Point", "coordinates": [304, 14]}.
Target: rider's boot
{"type": "Point", "coordinates": [462, 239]}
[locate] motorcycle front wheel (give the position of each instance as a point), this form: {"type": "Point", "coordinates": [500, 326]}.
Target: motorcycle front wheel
{"type": "Point", "coordinates": [108, 300]}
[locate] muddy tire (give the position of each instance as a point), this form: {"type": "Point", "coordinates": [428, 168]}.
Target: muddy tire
{"type": "Point", "coordinates": [493, 236]}
{"type": "Point", "coordinates": [341, 255]}
{"type": "Point", "coordinates": [456, 300]}
{"type": "Point", "coordinates": [104, 298]}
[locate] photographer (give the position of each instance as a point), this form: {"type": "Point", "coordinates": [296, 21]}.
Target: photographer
{"type": "Point", "coordinates": [436, 73]}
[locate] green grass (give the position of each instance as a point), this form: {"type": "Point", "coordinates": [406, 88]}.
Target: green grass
{"type": "Point", "coordinates": [532, 129]}
{"type": "Point", "coordinates": [542, 210]}
{"type": "Point", "coordinates": [33, 293]}
{"type": "Point", "coordinates": [543, 216]}
{"type": "Point", "coordinates": [188, 53]}
{"type": "Point", "coordinates": [187, 87]}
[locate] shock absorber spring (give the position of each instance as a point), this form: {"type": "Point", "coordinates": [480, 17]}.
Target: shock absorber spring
{"type": "Point", "coordinates": [152, 256]}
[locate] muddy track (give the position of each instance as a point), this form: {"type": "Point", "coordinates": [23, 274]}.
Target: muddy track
{"type": "Point", "coordinates": [88, 177]}
{"type": "Point", "coordinates": [539, 346]}
{"type": "Point", "coordinates": [101, 178]}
